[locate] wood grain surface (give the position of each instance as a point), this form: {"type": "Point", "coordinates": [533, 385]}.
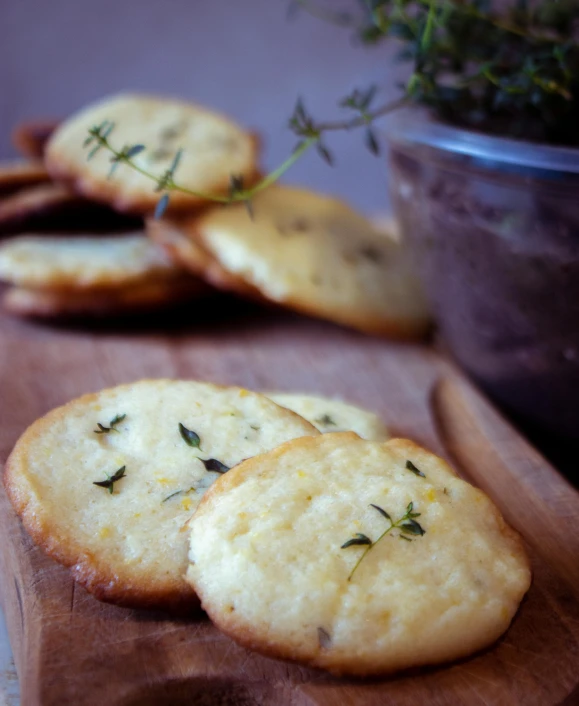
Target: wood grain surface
{"type": "Point", "coordinates": [70, 649]}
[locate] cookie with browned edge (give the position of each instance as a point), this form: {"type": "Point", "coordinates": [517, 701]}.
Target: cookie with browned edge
{"type": "Point", "coordinates": [315, 254]}
{"type": "Point", "coordinates": [213, 149]}
{"type": "Point", "coordinates": [106, 483]}
{"type": "Point", "coordinates": [356, 556]}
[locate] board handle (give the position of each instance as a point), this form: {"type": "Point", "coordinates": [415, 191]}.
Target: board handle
{"type": "Point", "coordinates": [533, 497]}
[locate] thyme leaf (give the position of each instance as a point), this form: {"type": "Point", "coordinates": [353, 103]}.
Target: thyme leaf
{"type": "Point", "coordinates": [359, 540]}
{"type": "Point", "coordinates": [381, 511]}
{"type": "Point", "coordinates": [325, 421]}
{"type": "Point", "coordinates": [411, 467]}
{"type": "Point", "coordinates": [412, 527]}
{"type": "Point", "coordinates": [111, 480]}
{"type": "Point", "coordinates": [190, 437]}
{"type": "Point", "coordinates": [112, 425]}
{"type": "Point", "coordinates": [212, 464]}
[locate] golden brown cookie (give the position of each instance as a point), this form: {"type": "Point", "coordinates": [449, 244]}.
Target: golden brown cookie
{"type": "Point", "coordinates": [214, 148]}
{"type": "Point", "coordinates": [30, 137]}
{"type": "Point", "coordinates": [355, 556]}
{"type": "Point", "coordinates": [331, 415]}
{"type": "Point", "coordinates": [35, 204]}
{"type": "Point", "coordinates": [315, 254]}
{"type": "Point", "coordinates": [83, 261]}
{"type": "Point", "coordinates": [106, 483]}
{"type": "Point", "coordinates": [19, 173]}
{"type": "Point", "coordinates": [143, 297]}
{"type": "Point", "coordinates": [91, 276]}
{"type": "Point", "coordinates": [172, 235]}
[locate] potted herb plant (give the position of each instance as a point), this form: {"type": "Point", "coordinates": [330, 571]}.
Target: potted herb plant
{"type": "Point", "coordinates": [484, 153]}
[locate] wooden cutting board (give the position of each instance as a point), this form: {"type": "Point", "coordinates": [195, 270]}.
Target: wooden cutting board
{"type": "Point", "coordinates": [70, 649]}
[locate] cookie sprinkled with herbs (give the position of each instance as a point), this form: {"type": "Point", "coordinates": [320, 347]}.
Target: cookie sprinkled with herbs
{"type": "Point", "coordinates": [406, 524]}
{"type": "Point", "coordinates": [112, 425]}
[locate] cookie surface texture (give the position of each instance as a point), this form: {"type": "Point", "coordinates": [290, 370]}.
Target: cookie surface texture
{"type": "Point", "coordinates": [129, 547]}
{"type": "Point", "coordinates": [83, 262]}
{"type": "Point", "coordinates": [330, 415]}
{"type": "Point", "coordinates": [272, 559]}
{"type": "Point", "coordinates": [213, 148]}
{"type": "Point", "coordinates": [174, 236]}
{"type": "Point", "coordinates": [315, 254]}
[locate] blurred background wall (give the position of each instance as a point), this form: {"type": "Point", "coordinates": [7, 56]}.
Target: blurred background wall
{"type": "Point", "coordinates": [243, 57]}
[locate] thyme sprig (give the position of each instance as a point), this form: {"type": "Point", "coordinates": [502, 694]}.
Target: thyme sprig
{"type": "Point", "coordinates": [508, 68]}
{"type": "Point", "coordinates": [406, 524]}
{"type": "Point", "coordinates": [512, 71]}
{"type": "Point", "coordinates": [111, 480]}
{"type": "Point", "coordinates": [303, 125]}
{"type": "Point", "coordinates": [98, 137]}
{"type": "Point", "coordinates": [112, 425]}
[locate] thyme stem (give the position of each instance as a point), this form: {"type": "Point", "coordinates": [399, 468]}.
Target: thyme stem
{"type": "Point", "coordinates": [406, 522]}
{"type": "Point", "coordinates": [364, 119]}
{"type": "Point", "coordinates": [240, 195]}
{"type": "Point", "coordinates": [244, 195]}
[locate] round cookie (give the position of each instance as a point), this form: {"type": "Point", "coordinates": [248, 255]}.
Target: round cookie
{"type": "Point", "coordinates": [281, 560]}
{"type": "Point", "coordinates": [39, 204]}
{"type": "Point", "coordinates": [30, 137]}
{"type": "Point", "coordinates": [83, 262]}
{"type": "Point", "coordinates": [317, 255]}
{"type": "Point", "coordinates": [111, 302]}
{"type": "Point", "coordinates": [172, 235]}
{"type": "Point", "coordinates": [19, 173]}
{"type": "Point", "coordinates": [129, 546]}
{"type": "Point", "coordinates": [329, 415]}
{"type": "Point", "coordinates": [214, 148]}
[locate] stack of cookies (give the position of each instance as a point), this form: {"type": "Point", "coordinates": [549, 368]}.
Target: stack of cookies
{"type": "Point", "coordinates": [297, 248]}
{"type": "Point", "coordinates": [339, 550]}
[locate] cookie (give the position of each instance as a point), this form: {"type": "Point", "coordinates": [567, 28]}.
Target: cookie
{"type": "Point", "coordinates": [214, 148]}
{"type": "Point", "coordinates": [19, 173]}
{"type": "Point", "coordinates": [330, 415]}
{"type": "Point", "coordinates": [172, 235]}
{"type": "Point", "coordinates": [30, 137]}
{"type": "Point", "coordinates": [315, 254]}
{"type": "Point", "coordinates": [106, 483]}
{"type": "Point", "coordinates": [34, 205]}
{"type": "Point", "coordinates": [83, 261]}
{"type": "Point", "coordinates": [355, 556]}
{"type": "Point", "coordinates": [142, 297]}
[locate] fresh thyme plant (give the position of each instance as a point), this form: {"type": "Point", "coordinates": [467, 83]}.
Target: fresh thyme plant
{"type": "Point", "coordinates": [507, 67]}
